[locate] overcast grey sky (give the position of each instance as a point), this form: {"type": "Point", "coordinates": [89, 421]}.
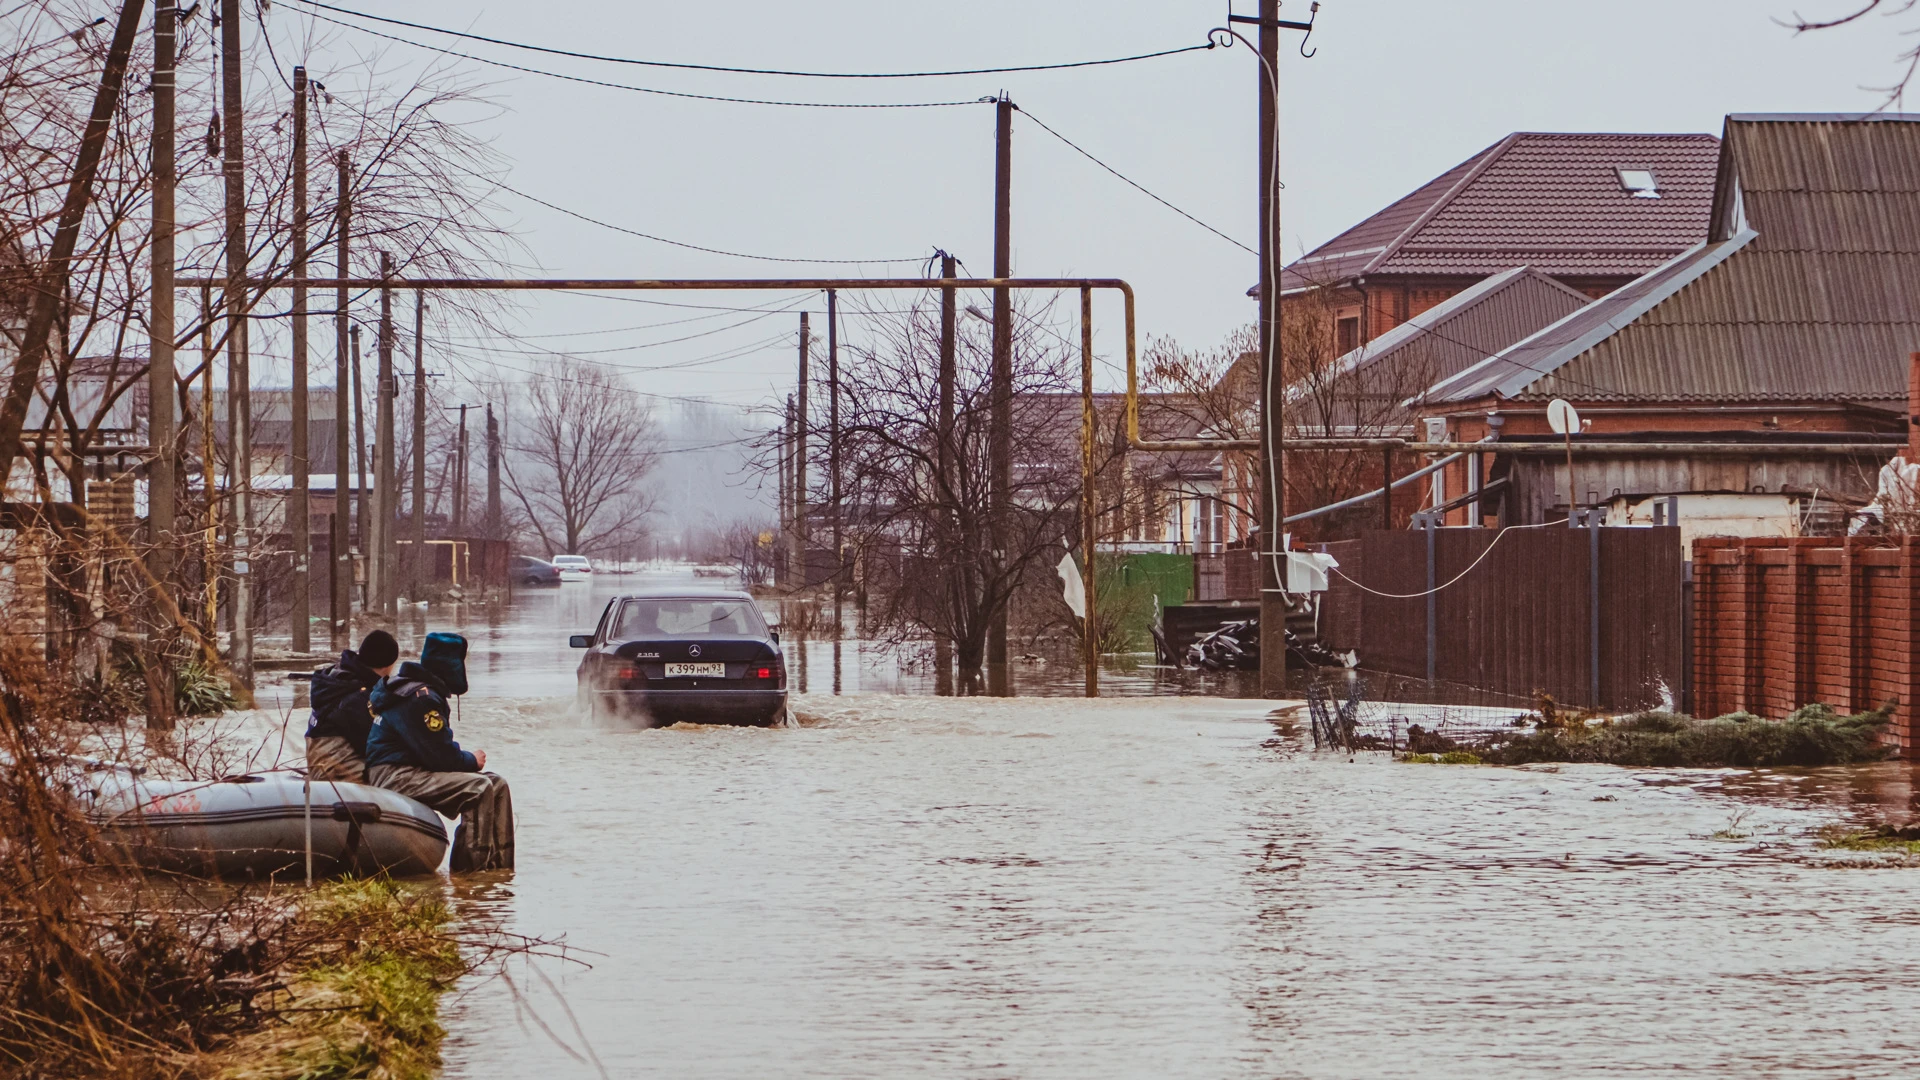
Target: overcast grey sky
{"type": "Point", "coordinates": [1399, 91]}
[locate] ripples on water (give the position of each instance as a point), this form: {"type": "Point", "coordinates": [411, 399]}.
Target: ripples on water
{"type": "Point", "coordinates": [1168, 888]}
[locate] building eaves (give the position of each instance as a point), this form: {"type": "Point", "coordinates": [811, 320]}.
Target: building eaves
{"type": "Point", "coordinates": [1508, 373]}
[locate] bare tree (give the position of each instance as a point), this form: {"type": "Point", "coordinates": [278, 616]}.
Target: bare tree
{"type": "Point", "coordinates": [921, 536]}
{"type": "Point", "coordinates": [579, 455]}
{"type": "Point", "coordinates": [1330, 394]}
{"type": "Point", "coordinates": [1907, 61]}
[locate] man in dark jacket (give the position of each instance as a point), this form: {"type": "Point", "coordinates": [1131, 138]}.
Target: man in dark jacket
{"type": "Point", "coordinates": [411, 750]}
{"type": "Point", "coordinates": [337, 730]}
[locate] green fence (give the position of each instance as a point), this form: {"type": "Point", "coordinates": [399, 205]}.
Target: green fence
{"type": "Point", "coordinates": [1125, 588]}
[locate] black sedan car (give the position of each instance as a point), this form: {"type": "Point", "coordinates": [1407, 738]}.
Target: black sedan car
{"type": "Point", "coordinates": [700, 655]}
{"type": "Point", "coordinates": [528, 570]}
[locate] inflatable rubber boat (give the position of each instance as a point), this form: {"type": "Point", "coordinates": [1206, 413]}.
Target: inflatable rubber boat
{"type": "Point", "coordinates": [257, 826]}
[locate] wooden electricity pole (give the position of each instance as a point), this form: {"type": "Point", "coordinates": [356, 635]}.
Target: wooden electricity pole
{"type": "Point", "coordinates": [944, 457]}
{"type": "Point", "coordinates": [797, 567]}
{"type": "Point", "coordinates": [785, 574]}
{"type": "Point", "coordinates": [297, 501]}
{"type": "Point", "coordinates": [363, 502]}
{"type": "Point", "coordinates": [162, 472]}
{"type": "Point", "coordinates": [1273, 606]}
{"type": "Point", "coordinates": [1000, 450]}
{"type": "Point", "coordinates": [384, 512]}
{"type": "Point", "coordinates": [162, 476]}
{"type": "Point", "coordinates": [239, 373]}
{"type": "Point", "coordinates": [460, 480]}
{"type": "Point", "coordinates": [492, 473]}
{"type": "Point", "coordinates": [340, 588]}
{"type": "Point", "coordinates": [417, 561]}
{"type": "Point", "coordinates": [833, 450]}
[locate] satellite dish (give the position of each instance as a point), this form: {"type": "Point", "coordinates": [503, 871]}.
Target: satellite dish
{"type": "Point", "coordinates": [1562, 417]}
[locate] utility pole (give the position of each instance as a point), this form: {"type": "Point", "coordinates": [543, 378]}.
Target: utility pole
{"type": "Point", "coordinates": [239, 374]}
{"type": "Point", "coordinates": [833, 450]}
{"type": "Point", "coordinates": [946, 488]}
{"type": "Point", "coordinates": [417, 564]}
{"type": "Point", "coordinates": [297, 503]}
{"type": "Point", "coordinates": [799, 554]}
{"type": "Point", "coordinates": [162, 476]}
{"type": "Point", "coordinates": [786, 495]}
{"type": "Point", "coordinates": [364, 508]}
{"type": "Point", "coordinates": [340, 590]}
{"type": "Point", "coordinates": [493, 475]}
{"type": "Point", "coordinates": [1273, 607]}
{"type": "Point", "coordinates": [1000, 450]}
{"type": "Point", "coordinates": [384, 512]}
{"type": "Point", "coordinates": [209, 463]}
{"type": "Point", "coordinates": [460, 480]}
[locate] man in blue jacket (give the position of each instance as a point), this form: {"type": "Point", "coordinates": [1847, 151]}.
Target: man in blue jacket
{"type": "Point", "coordinates": [337, 730]}
{"type": "Point", "coordinates": [411, 750]}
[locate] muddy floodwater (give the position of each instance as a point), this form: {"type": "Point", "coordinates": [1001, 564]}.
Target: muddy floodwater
{"type": "Point", "coordinates": [907, 886]}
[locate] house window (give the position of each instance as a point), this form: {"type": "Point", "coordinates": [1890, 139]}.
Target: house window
{"type": "Point", "coordinates": [1640, 183]}
{"type": "Point", "coordinates": [1347, 335]}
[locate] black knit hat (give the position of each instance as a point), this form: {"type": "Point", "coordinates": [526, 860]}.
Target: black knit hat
{"type": "Point", "coordinates": [379, 649]}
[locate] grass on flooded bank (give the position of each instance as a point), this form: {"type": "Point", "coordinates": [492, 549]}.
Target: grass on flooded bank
{"type": "Point", "coordinates": [1879, 839]}
{"type": "Point", "coordinates": [366, 1002]}
{"type": "Point", "coordinates": [1812, 736]}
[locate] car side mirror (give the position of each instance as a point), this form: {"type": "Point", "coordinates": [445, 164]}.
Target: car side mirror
{"type": "Point", "coordinates": [775, 635]}
{"type": "Point", "coordinates": [580, 641]}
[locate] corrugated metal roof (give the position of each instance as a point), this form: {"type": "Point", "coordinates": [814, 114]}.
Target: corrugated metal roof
{"type": "Point", "coordinates": [1453, 335]}
{"type": "Point", "coordinates": [1551, 201]}
{"type": "Point", "coordinates": [1813, 301]}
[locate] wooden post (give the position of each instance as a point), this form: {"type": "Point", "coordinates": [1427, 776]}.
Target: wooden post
{"type": "Point", "coordinates": [298, 529]}
{"type": "Point", "coordinates": [239, 371]}
{"type": "Point", "coordinates": [418, 568]}
{"type": "Point", "coordinates": [1089, 495]}
{"type": "Point", "coordinates": [340, 589]}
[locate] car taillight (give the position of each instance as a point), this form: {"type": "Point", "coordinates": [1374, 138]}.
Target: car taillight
{"type": "Point", "coordinates": [628, 674]}
{"type": "Point", "coordinates": [766, 673]}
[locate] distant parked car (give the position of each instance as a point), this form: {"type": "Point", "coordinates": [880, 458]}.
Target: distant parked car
{"type": "Point", "coordinates": [697, 654]}
{"type": "Point", "coordinates": [528, 570]}
{"type": "Point", "coordinates": [572, 567]}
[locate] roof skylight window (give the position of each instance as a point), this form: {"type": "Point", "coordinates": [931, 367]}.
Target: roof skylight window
{"type": "Point", "coordinates": [1640, 183]}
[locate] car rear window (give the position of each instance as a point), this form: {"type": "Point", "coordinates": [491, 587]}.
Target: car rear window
{"type": "Point", "coordinates": [686, 618]}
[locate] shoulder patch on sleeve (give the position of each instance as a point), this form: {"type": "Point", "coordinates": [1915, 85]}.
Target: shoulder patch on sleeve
{"type": "Point", "coordinates": [434, 720]}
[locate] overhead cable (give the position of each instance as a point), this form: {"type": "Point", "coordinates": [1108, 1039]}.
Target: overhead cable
{"type": "Point", "coordinates": [758, 71]}
{"type": "Point", "coordinates": [1132, 183]}
{"type": "Point", "coordinates": [648, 89]}
{"type": "Point", "coordinates": [692, 247]}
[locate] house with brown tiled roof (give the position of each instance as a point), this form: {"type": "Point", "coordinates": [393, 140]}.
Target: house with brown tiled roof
{"type": "Point", "coordinates": [1791, 320]}
{"type": "Point", "coordinates": [1592, 210]}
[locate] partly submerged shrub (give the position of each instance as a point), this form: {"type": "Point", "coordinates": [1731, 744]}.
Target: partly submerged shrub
{"type": "Point", "coordinates": [1814, 735]}
{"type": "Point", "coordinates": [198, 690]}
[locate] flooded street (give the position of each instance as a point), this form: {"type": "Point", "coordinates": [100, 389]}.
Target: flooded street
{"type": "Point", "coordinates": [1151, 888]}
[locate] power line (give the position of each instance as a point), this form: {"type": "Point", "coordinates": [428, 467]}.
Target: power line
{"type": "Point", "coordinates": [648, 89]}
{"type": "Point", "coordinates": [760, 71]}
{"type": "Point", "coordinates": [692, 247]}
{"type": "Point", "coordinates": [1133, 184]}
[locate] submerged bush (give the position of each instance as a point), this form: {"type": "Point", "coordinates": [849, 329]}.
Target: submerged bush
{"type": "Point", "coordinates": [1813, 735]}
{"type": "Point", "coordinates": [198, 690]}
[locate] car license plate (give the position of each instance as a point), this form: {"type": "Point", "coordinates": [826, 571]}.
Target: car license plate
{"type": "Point", "coordinates": [703, 671]}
